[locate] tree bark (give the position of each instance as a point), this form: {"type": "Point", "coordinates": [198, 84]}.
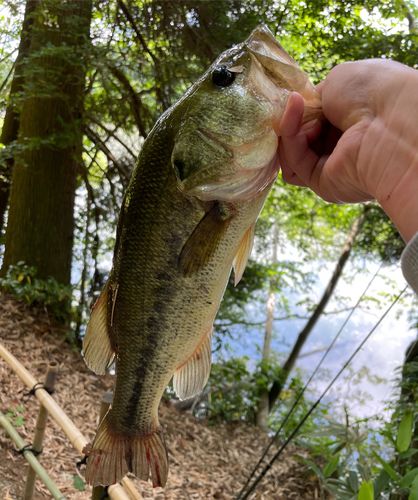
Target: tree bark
{"type": "Point", "coordinates": [40, 223]}
{"type": "Point", "coordinates": [304, 334]}
{"type": "Point", "coordinates": [261, 417]}
{"type": "Point", "coordinates": [10, 128]}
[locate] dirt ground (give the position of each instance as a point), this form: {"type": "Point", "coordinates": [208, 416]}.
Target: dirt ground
{"type": "Point", "coordinates": [206, 462]}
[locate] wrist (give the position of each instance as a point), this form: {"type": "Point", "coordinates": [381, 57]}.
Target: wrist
{"type": "Point", "coordinates": [397, 151]}
{"type": "Point", "coordinates": [401, 204]}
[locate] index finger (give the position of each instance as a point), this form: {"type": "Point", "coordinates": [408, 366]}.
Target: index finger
{"type": "Point", "coordinates": [297, 157]}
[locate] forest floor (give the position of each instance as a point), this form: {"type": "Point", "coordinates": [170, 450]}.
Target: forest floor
{"type": "Point", "coordinates": [206, 461]}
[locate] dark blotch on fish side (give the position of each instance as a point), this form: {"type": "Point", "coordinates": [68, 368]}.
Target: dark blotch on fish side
{"type": "Point", "coordinates": [129, 421]}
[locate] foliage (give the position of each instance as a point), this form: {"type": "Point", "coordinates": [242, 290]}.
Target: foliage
{"type": "Point", "coordinates": [360, 459]}
{"type": "Point", "coordinates": [14, 417]}
{"type": "Point", "coordinates": [233, 389]}
{"type": "Point", "coordinates": [21, 281]}
{"type": "Point", "coordinates": [142, 56]}
{"type": "Point", "coordinates": [78, 483]}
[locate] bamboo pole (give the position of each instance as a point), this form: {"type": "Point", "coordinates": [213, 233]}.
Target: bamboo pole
{"type": "Point", "coordinates": [30, 457]}
{"type": "Point", "coordinates": [116, 492]}
{"type": "Point", "coordinates": [50, 378]}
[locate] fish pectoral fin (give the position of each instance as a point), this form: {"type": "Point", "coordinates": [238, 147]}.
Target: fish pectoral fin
{"type": "Point", "coordinates": [204, 240]}
{"type": "Point", "coordinates": [190, 378]}
{"type": "Point", "coordinates": [113, 455]}
{"type": "Point", "coordinates": [97, 346]}
{"type": "Point", "coordinates": [243, 254]}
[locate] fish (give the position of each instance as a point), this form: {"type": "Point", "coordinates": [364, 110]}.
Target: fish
{"type": "Point", "coordinates": [187, 217]}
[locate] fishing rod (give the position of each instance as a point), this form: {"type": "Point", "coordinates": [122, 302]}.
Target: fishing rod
{"type": "Point", "coordinates": [268, 466]}
{"type": "Point", "coordinates": [306, 385]}
{"type": "Point", "coordinates": [289, 414]}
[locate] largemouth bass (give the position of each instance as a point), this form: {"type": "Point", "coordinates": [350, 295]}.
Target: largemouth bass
{"type": "Point", "coordinates": [187, 217]}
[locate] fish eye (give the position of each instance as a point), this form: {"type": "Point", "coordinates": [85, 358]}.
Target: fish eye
{"type": "Point", "coordinates": [221, 77]}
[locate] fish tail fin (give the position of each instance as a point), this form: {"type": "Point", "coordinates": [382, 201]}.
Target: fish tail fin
{"type": "Point", "coordinates": [112, 456]}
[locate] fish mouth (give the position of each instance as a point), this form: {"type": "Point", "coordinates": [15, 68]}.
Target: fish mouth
{"type": "Point", "coordinates": [242, 186]}
{"type": "Point", "coordinates": [283, 72]}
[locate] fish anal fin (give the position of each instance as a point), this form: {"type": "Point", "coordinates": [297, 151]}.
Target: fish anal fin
{"type": "Point", "coordinates": [243, 254]}
{"type": "Point", "coordinates": [97, 345]}
{"type": "Point", "coordinates": [190, 378]}
{"type": "Point", "coordinates": [204, 241]}
{"type": "Point", "coordinates": [113, 455]}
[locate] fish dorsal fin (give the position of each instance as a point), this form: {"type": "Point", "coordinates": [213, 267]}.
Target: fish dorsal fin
{"type": "Point", "coordinates": [204, 241]}
{"type": "Point", "coordinates": [97, 346]}
{"type": "Point", "coordinates": [191, 377]}
{"type": "Point", "coordinates": [243, 254]}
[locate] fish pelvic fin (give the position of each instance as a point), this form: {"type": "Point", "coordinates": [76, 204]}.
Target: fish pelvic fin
{"type": "Point", "coordinates": [243, 254]}
{"type": "Point", "coordinates": [97, 346]}
{"type": "Point", "coordinates": [191, 377]}
{"type": "Point", "coordinates": [113, 455]}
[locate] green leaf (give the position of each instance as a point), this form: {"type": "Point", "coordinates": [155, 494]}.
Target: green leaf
{"type": "Point", "coordinates": [353, 480]}
{"type": "Point", "coordinates": [363, 472]}
{"type": "Point", "coordinates": [408, 453]}
{"type": "Point", "coordinates": [403, 438]}
{"type": "Point", "coordinates": [366, 491]}
{"type": "Point", "coordinates": [381, 482]}
{"type": "Point", "coordinates": [312, 465]}
{"type": "Point", "coordinates": [413, 493]}
{"type": "Point", "coordinates": [408, 478]}
{"type": "Point", "coordinates": [78, 483]}
{"type": "Point", "coordinates": [22, 408]}
{"type": "Point", "coordinates": [331, 466]}
{"type": "Point", "coordinates": [387, 467]}
{"type": "Point", "coordinates": [18, 421]}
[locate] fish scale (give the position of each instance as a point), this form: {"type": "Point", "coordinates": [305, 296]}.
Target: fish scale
{"type": "Point", "coordinates": [188, 216]}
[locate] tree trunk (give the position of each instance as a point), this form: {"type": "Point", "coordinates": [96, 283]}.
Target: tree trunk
{"type": "Point", "coordinates": [40, 223]}
{"type": "Point", "coordinates": [303, 335]}
{"type": "Point", "coordinates": [261, 418]}
{"type": "Point", "coordinates": [11, 119]}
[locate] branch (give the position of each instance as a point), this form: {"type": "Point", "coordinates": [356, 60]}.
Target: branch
{"type": "Point", "coordinates": [102, 146]}
{"type": "Point", "coordinates": [9, 54]}
{"type": "Point", "coordinates": [140, 40]}
{"type": "Point", "coordinates": [111, 186]}
{"type": "Point", "coordinates": [303, 335]}
{"type": "Point", "coordinates": [259, 323]}
{"type": "Point", "coordinates": [7, 78]}
{"type": "Point", "coordinates": [113, 134]}
{"type": "Point", "coordinates": [139, 37]}
{"type": "Point", "coordinates": [282, 318]}
{"type": "Point", "coordinates": [411, 20]}
{"type": "Point", "coordinates": [84, 176]}
{"type": "Point", "coordinates": [133, 98]}
{"type": "Point", "coordinates": [198, 37]}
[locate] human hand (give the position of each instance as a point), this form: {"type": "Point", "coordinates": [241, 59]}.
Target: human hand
{"type": "Point", "coordinates": [369, 149]}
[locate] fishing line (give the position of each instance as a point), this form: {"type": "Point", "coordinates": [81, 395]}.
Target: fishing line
{"type": "Point", "coordinates": [268, 466]}
{"type": "Point", "coordinates": [289, 414]}
{"type": "Point", "coordinates": [316, 369]}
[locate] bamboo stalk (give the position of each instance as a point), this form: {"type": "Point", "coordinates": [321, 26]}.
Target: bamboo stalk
{"type": "Point", "coordinates": [51, 376]}
{"type": "Point", "coordinates": [116, 492]}
{"type": "Point", "coordinates": [30, 457]}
